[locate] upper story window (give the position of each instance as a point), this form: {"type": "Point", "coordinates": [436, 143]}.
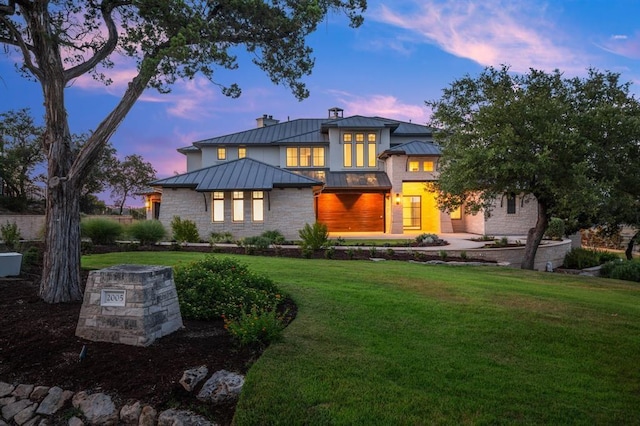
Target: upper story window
{"type": "Point", "coordinates": [242, 152]}
{"type": "Point", "coordinates": [421, 166]}
{"type": "Point", "coordinates": [359, 149]}
{"type": "Point", "coordinates": [222, 153]}
{"type": "Point", "coordinates": [305, 156]}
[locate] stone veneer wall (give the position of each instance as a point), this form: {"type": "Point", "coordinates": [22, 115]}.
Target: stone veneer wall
{"type": "Point", "coordinates": [501, 223]}
{"type": "Point", "coordinates": [286, 210]}
{"type": "Point", "coordinates": [548, 251]}
{"type": "Point", "coordinates": [149, 307]}
{"type": "Point", "coordinates": [32, 226]}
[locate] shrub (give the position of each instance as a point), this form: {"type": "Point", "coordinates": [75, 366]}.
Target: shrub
{"type": "Point", "coordinates": [443, 254]}
{"type": "Point", "coordinates": [428, 240]}
{"type": "Point", "coordinates": [147, 231]}
{"type": "Point", "coordinates": [10, 235]}
{"type": "Point", "coordinates": [221, 237]}
{"type": "Point", "coordinates": [628, 270]}
{"type": "Point", "coordinates": [330, 253]}
{"type": "Point", "coordinates": [275, 237]}
{"type": "Point", "coordinates": [314, 237]}
{"type": "Point", "coordinates": [101, 231]}
{"type": "Point", "coordinates": [211, 288]}
{"type": "Point", "coordinates": [184, 231]}
{"type": "Point", "coordinates": [555, 229]}
{"type": "Point", "coordinates": [259, 327]}
{"type": "Point", "coordinates": [31, 257]}
{"type": "Point", "coordinates": [260, 242]}
{"type": "Point", "coordinates": [580, 258]}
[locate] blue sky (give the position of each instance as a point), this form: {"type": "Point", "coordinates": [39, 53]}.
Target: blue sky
{"type": "Point", "coordinates": [406, 52]}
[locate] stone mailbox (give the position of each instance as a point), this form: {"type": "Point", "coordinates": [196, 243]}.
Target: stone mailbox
{"type": "Point", "coordinates": [129, 304]}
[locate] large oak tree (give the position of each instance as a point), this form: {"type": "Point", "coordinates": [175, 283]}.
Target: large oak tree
{"type": "Point", "coordinates": [61, 40]}
{"type": "Point", "coordinates": [572, 143]}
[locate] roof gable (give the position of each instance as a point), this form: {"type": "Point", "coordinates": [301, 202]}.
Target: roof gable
{"type": "Point", "coordinates": [415, 147]}
{"type": "Point", "coordinates": [238, 175]}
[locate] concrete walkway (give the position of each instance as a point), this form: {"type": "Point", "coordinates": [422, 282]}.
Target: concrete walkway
{"type": "Point", "coordinates": [457, 241]}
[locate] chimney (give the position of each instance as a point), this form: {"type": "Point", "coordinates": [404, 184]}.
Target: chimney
{"type": "Point", "coordinates": [336, 112]}
{"type": "Point", "coordinates": [266, 120]}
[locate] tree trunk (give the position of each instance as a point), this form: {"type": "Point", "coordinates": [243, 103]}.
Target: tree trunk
{"type": "Point", "coordinates": [61, 268]}
{"type": "Point", "coordinates": [629, 251]}
{"type": "Point", "coordinates": [534, 237]}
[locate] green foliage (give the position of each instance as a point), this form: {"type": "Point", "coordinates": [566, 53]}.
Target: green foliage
{"type": "Point", "coordinates": [129, 176]}
{"type": "Point", "coordinates": [101, 231]}
{"type": "Point", "coordinates": [10, 234]}
{"type": "Point", "coordinates": [258, 327]}
{"type": "Point", "coordinates": [275, 237]}
{"type": "Point", "coordinates": [443, 254]}
{"type": "Point", "coordinates": [31, 257]}
{"type": "Point", "coordinates": [555, 229]}
{"type": "Point", "coordinates": [628, 270]}
{"type": "Point", "coordinates": [314, 237]}
{"type": "Point", "coordinates": [184, 231]}
{"type": "Point", "coordinates": [257, 242]}
{"type": "Point", "coordinates": [580, 258]}
{"type": "Point", "coordinates": [539, 133]}
{"type": "Point", "coordinates": [330, 252]}
{"type": "Point", "coordinates": [428, 240]}
{"type": "Point", "coordinates": [212, 287]}
{"type": "Point", "coordinates": [147, 231]}
{"type": "Point", "coordinates": [221, 237]}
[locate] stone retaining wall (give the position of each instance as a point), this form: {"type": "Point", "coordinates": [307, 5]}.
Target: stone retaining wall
{"type": "Point", "coordinates": [32, 226]}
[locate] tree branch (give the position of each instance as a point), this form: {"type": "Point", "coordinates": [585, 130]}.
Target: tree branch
{"type": "Point", "coordinates": [107, 8]}
{"type": "Point", "coordinates": [8, 9]}
{"type": "Point", "coordinates": [19, 42]}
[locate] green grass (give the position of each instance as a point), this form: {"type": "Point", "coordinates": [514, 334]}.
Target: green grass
{"type": "Point", "coordinates": [398, 343]}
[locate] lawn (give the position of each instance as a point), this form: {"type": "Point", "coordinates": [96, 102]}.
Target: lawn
{"type": "Point", "coordinates": [400, 343]}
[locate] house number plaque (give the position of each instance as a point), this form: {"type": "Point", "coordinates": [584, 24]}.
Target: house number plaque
{"type": "Point", "coordinates": [112, 297]}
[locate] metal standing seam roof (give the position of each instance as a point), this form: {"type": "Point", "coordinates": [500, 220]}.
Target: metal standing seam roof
{"type": "Point", "coordinates": [303, 130]}
{"type": "Point", "coordinates": [359, 180]}
{"type": "Point", "coordinates": [414, 148]}
{"type": "Point", "coordinates": [238, 175]}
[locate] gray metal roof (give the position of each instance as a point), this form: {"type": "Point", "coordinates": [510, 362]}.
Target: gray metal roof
{"type": "Point", "coordinates": [238, 175]}
{"type": "Point", "coordinates": [358, 180]}
{"type": "Point", "coordinates": [187, 149]}
{"type": "Point", "coordinates": [358, 121]}
{"type": "Point", "coordinates": [301, 130]}
{"type": "Point", "coordinates": [413, 148]}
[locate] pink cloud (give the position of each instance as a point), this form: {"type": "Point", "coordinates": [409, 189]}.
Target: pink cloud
{"type": "Point", "coordinates": [627, 46]}
{"type": "Point", "coordinates": [382, 106]}
{"type": "Point", "coordinates": [491, 32]}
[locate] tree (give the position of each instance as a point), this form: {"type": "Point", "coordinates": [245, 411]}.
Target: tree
{"type": "Point", "coordinates": [20, 152]}
{"type": "Point", "coordinates": [128, 177]}
{"type": "Point", "coordinates": [562, 141]}
{"type": "Point", "coordinates": [97, 180]}
{"type": "Point", "coordinates": [169, 39]}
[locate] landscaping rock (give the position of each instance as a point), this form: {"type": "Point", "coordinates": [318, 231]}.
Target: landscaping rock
{"type": "Point", "coordinates": [98, 408]}
{"type": "Point", "coordinates": [182, 418]}
{"type": "Point", "coordinates": [148, 416]}
{"type": "Point", "coordinates": [26, 414]}
{"type": "Point", "coordinates": [22, 391]}
{"type": "Point", "coordinates": [75, 421]}
{"type": "Point", "coordinates": [55, 400]}
{"type": "Point", "coordinates": [129, 414]}
{"type": "Point", "coordinates": [5, 389]}
{"type": "Point", "coordinates": [222, 386]}
{"type": "Point", "coordinates": [9, 411]}
{"type": "Point", "coordinates": [192, 377]}
{"type": "Point", "coordinates": [39, 392]}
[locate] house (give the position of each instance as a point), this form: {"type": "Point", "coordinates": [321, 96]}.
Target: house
{"type": "Point", "coordinates": [355, 174]}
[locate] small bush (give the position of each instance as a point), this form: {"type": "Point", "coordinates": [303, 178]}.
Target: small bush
{"type": "Point", "coordinates": [373, 251]}
{"type": "Point", "coordinates": [211, 287]}
{"type": "Point", "coordinates": [314, 237]}
{"type": "Point", "coordinates": [31, 257]}
{"type": "Point", "coordinates": [463, 255]}
{"type": "Point", "coordinates": [260, 242]}
{"type": "Point", "coordinates": [184, 231]}
{"type": "Point", "coordinates": [330, 253]}
{"type": "Point", "coordinates": [428, 240]}
{"type": "Point", "coordinates": [259, 327]}
{"type": "Point", "coordinates": [580, 258]}
{"type": "Point", "coordinates": [275, 237]}
{"type": "Point", "coordinates": [628, 270]}
{"type": "Point", "coordinates": [147, 231]}
{"type": "Point", "coordinates": [10, 235]}
{"type": "Point", "coordinates": [555, 229]}
{"type": "Point", "coordinates": [101, 231]}
{"type": "Point", "coordinates": [443, 254]}
{"type": "Point", "coordinates": [350, 253]}
{"type": "Point", "coordinates": [221, 237]}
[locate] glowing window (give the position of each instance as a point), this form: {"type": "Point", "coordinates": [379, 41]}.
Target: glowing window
{"type": "Point", "coordinates": [217, 208]}
{"type": "Point", "coordinates": [414, 166]}
{"type": "Point", "coordinates": [305, 157]}
{"type": "Point", "coordinates": [318, 157]}
{"type": "Point", "coordinates": [257, 206]}
{"type": "Point", "coordinates": [242, 152]}
{"type": "Point", "coordinates": [427, 166]}
{"type": "Point", "coordinates": [238, 206]}
{"type": "Point", "coordinates": [222, 153]}
{"type": "Point", "coordinates": [292, 157]}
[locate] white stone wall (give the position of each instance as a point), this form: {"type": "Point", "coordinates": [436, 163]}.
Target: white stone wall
{"type": "Point", "coordinates": [286, 210]}
{"type": "Point", "coordinates": [500, 222]}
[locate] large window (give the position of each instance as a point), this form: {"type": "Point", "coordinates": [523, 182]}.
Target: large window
{"type": "Point", "coordinates": [411, 209]}
{"type": "Point", "coordinates": [305, 156]}
{"type": "Point", "coordinates": [427, 166]}
{"type": "Point", "coordinates": [238, 206]}
{"type": "Point", "coordinates": [359, 146]}
{"type": "Point", "coordinates": [257, 208]}
{"type": "Point", "coordinates": [217, 206]}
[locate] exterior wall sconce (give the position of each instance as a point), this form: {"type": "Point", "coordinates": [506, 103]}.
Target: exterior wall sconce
{"type": "Point", "coordinates": [397, 199]}
{"type": "Point", "coordinates": [147, 204]}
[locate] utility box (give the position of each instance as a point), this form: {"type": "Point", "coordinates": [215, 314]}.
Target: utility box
{"type": "Point", "coordinates": [10, 264]}
{"type": "Point", "coordinates": [129, 304]}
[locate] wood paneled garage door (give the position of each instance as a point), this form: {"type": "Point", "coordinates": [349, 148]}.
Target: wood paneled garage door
{"type": "Point", "coordinates": [352, 212]}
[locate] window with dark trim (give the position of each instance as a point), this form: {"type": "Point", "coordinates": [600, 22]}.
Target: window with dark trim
{"type": "Point", "coordinates": [511, 203]}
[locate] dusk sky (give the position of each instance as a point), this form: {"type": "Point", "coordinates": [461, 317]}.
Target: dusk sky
{"type": "Point", "coordinates": [406, 52]}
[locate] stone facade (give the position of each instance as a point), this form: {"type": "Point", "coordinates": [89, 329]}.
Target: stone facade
{"type": "Point", "coordinates": [129, 304]}
{"type": "Point", "coordinates": [286, 210]}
